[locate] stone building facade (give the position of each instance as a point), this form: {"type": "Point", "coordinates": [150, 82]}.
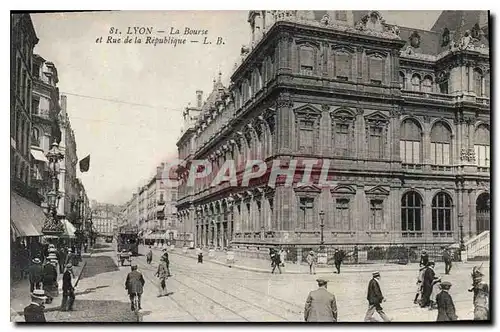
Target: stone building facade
{"type": "Point", "coordinates": [401, 117]}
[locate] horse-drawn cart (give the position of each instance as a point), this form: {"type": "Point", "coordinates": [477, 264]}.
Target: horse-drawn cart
{"type": "Point", "coordinates": [125, 256]}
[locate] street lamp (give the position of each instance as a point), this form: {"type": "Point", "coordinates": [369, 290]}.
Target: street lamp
{"type": "Point", "coordinates": [461, 226]}
{"type": "Point", "coordinates": [52, 225]}
{"type": "Point", "coordinates": [322, 225]}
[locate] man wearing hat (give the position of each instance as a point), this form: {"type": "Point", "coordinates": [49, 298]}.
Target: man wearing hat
{"type": "Point", "coordinates": [481, 295]}
{"type": "Point", "coordinates": [134, 284]}
{"type": "Point", "coordinates": [165, 258]}
{"type": "Point", "coordinates": [447, 261]}
{"type": "Point", "coordinates": [68, 290]}
{"type": "Point", "coordinates": [375, 298]}
{"type": "Point", "coordinates": [34, 312]}
{"type": "Point", "coordinates": [321, 305]}
{"type": "Point", "coordinates": [424, 259]}
{"type": "Point", "coordinates": [50, 278]}
{"type": "Point", "coordinates": [311, 260]}
{"type": "Point", "coordinates": [445, 305]}
{"type": "Point", "coordinates": [35, 274]}
{"type": "Point", "coordinates": [429, 275]}
{"type": "Point", "coordinates": [61, 258]}
{"type": "Point", "coordinates": [70, 257]}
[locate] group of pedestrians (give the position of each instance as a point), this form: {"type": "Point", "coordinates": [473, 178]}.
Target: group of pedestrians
{"type": "Point", "coordinates": [44, 286]}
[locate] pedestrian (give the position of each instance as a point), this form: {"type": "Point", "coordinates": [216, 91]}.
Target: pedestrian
{"type": "Point", "coordinates": [429, 275]}
{"type": "Point", "coordinates": [481, 295]}
{"type": "Point", "coordinates": [321, 305]}
{"type": "Point", "coordinates": [162, 274]}
{"type": "Point", "coordinates": [282, 254]}
{"type": "Point", "coordinates": [61, 259]}
{"type": "Point", "coordinates": [436, 287]}
{"type": "Point", "coordinates": [311, 260]}
{"type": "Point", "coordinates": [165, 258]}
{"type": "Point", "coordinates": [420, 279]}
{"type": "Point", "coordinates": [338, 258]}
{"type": "Point", "coordinates": [35, 274]}
{"type": "Point", "coordinates": [424, 259]}
{"type": "Point", "coordinates": [447, 261]}
{"type": "Point", "coordinates": [375, 298]}
{"type": "Point", "coordinates": [200, 257]}
{"type": "Point", "coordinates": [68, 289]}
{"type": "Point", "coordinates": [49, 278]}
{"type": "Point", "coordinates": [70, 257]}
{"type": "Point", "coordinates": [276, 263]}
{"type": "Point", "coordinates": [134, 284]}
{"type": "Point", "coordinates": [33, 313]}
{"type": "Point", "coordinates": [445, 305]}
{"type": "Point", "coordinates": [149, 256]}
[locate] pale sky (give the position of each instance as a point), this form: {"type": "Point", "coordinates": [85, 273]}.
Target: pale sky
{"type": "Point", "coordinates": [126, 142]}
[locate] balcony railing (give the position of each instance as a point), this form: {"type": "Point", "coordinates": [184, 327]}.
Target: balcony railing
{"type": "Point", "coordinates": [411, 166]}
{"type": "Point", "coordinates": [427, 95]}
{"type": "Point", "coordinates": [442, 234]}
{"type": "Point", "coordinates": [412, 234]}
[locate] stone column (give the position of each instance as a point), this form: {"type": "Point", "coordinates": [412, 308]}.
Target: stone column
{"type": "Point", "coordinates": [299, 256]}
{"type": "Point", "coordinates": [471, 79]}
{"type": "Point", "coordinates": [427, 215]}
{"type": "Point", "coordinates": [284, 125]}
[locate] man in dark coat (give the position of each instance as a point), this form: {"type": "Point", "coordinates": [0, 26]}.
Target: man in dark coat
{"type": "Point", "coordinates": [149, 256]}
{"type": "Point", "coordinates": [375, 298]}
{"type": "Point", "coordinates": [424, 259]}
{"type": "Point", "coordinates": [445, 305]}
{"type": "Point", "coordinates": [134, 284]}
{"type": "Point", "coordinates": [276, 262]}
{"type": "Point", "coordinates": [321, 305]}
{"type": "Point", "coordinates": [165, 258]}
{"type": "Point", "coordinates": [34, 312]}
{"type": "Point", "coordinates": [35, 274]}
{"type": "Point", "coordinates": [447, 261]}
{"type": "Point", "coordinates": [68, 290]}
{"type": "Point", "coordinates": [49, 279]}
{"type": "Point", "coordinates": [61, 257]}
{"type": "Point", "coordinates": [70, 257]}
{"type": "Point", "coordinates": [338, 257]}
{"type": "Point", "coordinates": [429, 275]}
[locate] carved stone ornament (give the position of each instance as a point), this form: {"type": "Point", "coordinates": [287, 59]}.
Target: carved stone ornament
{"type": "Point", "coordinates": [471, 155]}
{"type": "Point", "coordinates": [464, 156]}
{"type": "Point", "coordinates": [476, 32]}
{"type": "Point", "coordinates": [325, 20]}
{"type": "Point", "coordinates": [325, 107]}
{"type": "Point", "coordinates": [445, 37]}
{"type": "Point", "coordinates": [415, 40]}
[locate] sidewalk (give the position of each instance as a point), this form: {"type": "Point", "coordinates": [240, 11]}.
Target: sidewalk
{"type": "Point", "coordinates": [20, 294]}
{"type": "Point", "coordinates": [264, 266]}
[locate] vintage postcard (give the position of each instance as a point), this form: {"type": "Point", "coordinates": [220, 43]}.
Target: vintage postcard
{"type": "Point", "coordinates": [250, 166]}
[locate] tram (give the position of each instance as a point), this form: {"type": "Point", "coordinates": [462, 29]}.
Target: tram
{"type": "Point", "coordinates": [128, 240]}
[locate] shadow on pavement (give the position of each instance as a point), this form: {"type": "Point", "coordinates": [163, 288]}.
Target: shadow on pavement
{"type": "Point", "coordinates": [97, 265]}
{"type": "Point", "coordinates": [96, 311]}
{"type": "Point", "coordinates": [90, 290]}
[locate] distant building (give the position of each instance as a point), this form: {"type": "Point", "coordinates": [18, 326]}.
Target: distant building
{"type": "Point", "coordinates": [105, 218]}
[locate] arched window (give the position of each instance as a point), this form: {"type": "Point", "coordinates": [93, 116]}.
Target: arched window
{"type": "Point", "coordinates": [478, 82]}
{"type": "Point", "coordinates": [482, 145]}
{"type": "Point", "coordinates": [411, 213]}
{"type": "Point", "coordinates": [415, 82]}
{"type": "Point", "coordinates": [427, 84]}
{"type": "Point", "coordinates": [402, 80]}
{"type": "Point", "coordinates": [411, 142]}
{"type": "Point", "coordinates": [440, 144]}
{"type": "Point", "coordinates": [441, 212]}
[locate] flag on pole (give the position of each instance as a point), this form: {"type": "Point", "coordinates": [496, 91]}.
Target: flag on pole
{"type": "Point", "coordinates": [85, 164]}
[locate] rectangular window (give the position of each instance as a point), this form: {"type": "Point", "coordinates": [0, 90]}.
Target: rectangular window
{"type": "Point", "coordinates": [376, 69]}
{"type": "Point", "coordinates": [306, 136]}
{"type": "Point", "coordinates": [306, 56]}
{"type": "Point", "coordinates": [376, 214]}
{"type": "Point", "coordinates": [440, 153]}
{"type": "Point", "coordinates": [482, 155]}
{"type": "Point", "coordinates": [410, 152]}
{"type": "Point", "coordinates": [375, 142]}
{"type": "Point", "coordinates": [342, 138]}
{"type": "Point", "coordinates": [342, 215]}
{"type": "Point", "coordinates": [343, 66]}
{"type": "Point", "coordinates": [306, 212]}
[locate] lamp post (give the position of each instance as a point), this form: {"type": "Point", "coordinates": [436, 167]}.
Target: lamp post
{"type": "Point", "coordinates": [322, 225]}
{"type": "Point", "coordinates": [52, 226]}
{"type": "Point", "coordinates": [461, 226]}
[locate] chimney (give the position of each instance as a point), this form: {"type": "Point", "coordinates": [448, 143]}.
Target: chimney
{"type": "Point", "coordinates": [199, 98]}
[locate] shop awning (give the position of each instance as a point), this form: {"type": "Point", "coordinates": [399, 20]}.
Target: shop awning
{"type": "Point", "coordinates": [27, 217]}
{"type": "Point", "coordinates": [38, 155]}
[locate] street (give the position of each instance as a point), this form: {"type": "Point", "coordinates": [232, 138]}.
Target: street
{"type": "Point", "coordinates": [210, 292]}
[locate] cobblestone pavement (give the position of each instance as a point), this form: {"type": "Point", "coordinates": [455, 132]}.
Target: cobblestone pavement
{"type": "Point", "coordinates": [20, 294]}
{"type": "Point", "coordinates": [212, 292]}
